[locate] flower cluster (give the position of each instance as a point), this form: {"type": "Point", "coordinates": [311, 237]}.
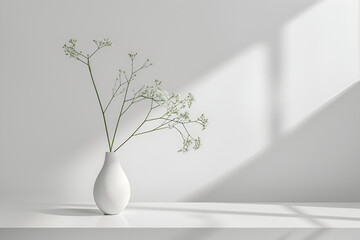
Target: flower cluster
{"type": "Point", "coordinates": [176, 115]}
{"type": "Point", "coordinates": [203, 121]}
{"type": "Point", "coordinates": [155, 92]}
{"type": "Point", "coordinates": [71, 51]}
{"type": "Point", "coordinates": [103, 43]}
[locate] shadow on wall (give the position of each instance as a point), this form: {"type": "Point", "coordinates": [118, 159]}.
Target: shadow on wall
{"type": "Point", "coordinates": [313, 163]}
{"type": "Point", "coordinates": [210, 33]}
{"type": "Point", "coordinates": [196, 37]}
{"type": "Point", "coordinates": [195, 40]}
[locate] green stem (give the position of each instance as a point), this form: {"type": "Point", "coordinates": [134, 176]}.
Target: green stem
{"type": "Point", "coordinates": [124, 101]}
{"type": "Point", "coordinates": [133, 134]}
{"type": "Point", "coordinates": [94, 52]}
{"type": "Point", "coordinates": [101, 107]}
{"type": "Point", "coordinates": [187, 131]}
{"type": "Point", "coordinates": [120, 114]}
{"type": "Point", "coordinates": [112, 97]}
{"type": "Point", "coordinates": [152, 130]}
{"type": "Point", "coordinates": [180, 133]}
{"type": "Point", "coordinates": [81, 60]}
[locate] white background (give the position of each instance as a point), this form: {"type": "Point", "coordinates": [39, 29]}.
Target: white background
{"type": "Point", "coordinates": [277, 80]}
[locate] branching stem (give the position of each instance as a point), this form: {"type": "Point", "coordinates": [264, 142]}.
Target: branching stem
{"type": "Point", "coordinates": [99, 100]}
{"type": "Point", "coordinates": [121, 112]}
{"type": "Point", "coordinates": [175, 108]}
{"type": "Point", "coordinates": [141, 124]}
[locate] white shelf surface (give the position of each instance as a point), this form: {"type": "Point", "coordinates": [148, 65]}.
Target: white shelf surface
{"type": "Point", "coordinates": [187, 215]}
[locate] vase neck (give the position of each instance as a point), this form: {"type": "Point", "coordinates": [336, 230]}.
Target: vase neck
{"type": "Point", "coordinates": [111, 157]}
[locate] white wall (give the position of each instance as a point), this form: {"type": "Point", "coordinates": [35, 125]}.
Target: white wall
{"type": "Point", "coordinates": [268, 74]}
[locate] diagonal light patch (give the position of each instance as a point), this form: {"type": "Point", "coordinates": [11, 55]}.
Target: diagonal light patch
{"type": "Point", "coordinates": [317, 60]}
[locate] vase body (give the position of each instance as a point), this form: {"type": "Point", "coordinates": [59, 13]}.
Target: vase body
{"type": "Point", "coordinates": [112, 188]}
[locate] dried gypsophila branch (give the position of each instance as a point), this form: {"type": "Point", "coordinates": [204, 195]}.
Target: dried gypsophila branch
{"type": "Point", "coordinates": [175, 117]}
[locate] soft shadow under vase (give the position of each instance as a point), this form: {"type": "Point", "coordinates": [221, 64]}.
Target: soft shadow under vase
{"type": "Point", "coordinates": [112, 188]}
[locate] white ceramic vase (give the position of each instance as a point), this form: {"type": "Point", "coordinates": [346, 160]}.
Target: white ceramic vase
{"type": "Point", "coordinates": [112, 188]}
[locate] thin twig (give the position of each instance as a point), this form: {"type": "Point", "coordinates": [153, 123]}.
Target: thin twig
{"type": "Point", "coordinates": [152, 130]}
{"type": "Point", "coordinates": [81, 61]}
{"type": "Point", "coordinates": [94, 52]}
{"type": "Point", "coordinates": [122, 106]}
{"type": "Point", "coordinates": [151, 108]}
{"type": "Point", "coordinates": [113, 96]}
